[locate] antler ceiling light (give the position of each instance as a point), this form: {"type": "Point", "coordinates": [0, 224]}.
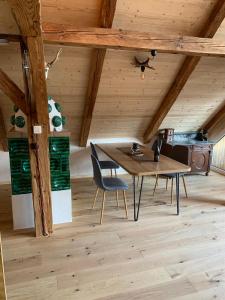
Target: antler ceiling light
{"type": "Point", "coordinates": [145, 64]}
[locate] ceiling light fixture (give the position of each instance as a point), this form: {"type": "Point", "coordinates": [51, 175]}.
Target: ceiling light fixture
{"type": "Point", "coordinates": [144, 64]}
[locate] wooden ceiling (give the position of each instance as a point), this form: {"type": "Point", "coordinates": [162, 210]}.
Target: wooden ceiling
{"type": "Point", "coordinates": [125, 104]}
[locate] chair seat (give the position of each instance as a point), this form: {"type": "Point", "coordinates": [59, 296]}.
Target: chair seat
{"type": "Point", "coordinates": [170, 176]}
{"type": "Point", "coordinates": [114, 183]}
{"type": "Point", "coordinates": [108, 164]}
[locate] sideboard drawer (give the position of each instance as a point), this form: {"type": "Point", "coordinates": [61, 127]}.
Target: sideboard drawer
{"type": "Point", "coordinates": [202, 147]}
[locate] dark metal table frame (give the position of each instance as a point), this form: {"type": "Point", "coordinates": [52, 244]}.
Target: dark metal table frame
{"type": "Point", "coordinates": [137, 206]}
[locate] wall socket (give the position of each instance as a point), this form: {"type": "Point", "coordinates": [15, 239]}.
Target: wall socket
{"type": "Point", "coordinates": [37, 129]}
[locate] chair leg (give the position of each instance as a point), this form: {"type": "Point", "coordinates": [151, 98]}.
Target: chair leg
{"type": "Point", "coordinates": [156, 183]}
{"type": "Point", "coordinates": [111, 172]}
{"type": "Point", "coordinates": [167, 179]}
{"type": "Point", "coordinates": [171, 199]}
{"type": "Point", "coordinates": [115, 173]}
{"type": "Point", "coordinates": [185, 188]}
{"type": "Point", "coordinates": [103, 205]}
{"type": "Point", "coordinates": [117, 201]}
{"type": "Point", "coordinates": [96, 195]}
{"type": "Point", "coordinates": [125, 203]}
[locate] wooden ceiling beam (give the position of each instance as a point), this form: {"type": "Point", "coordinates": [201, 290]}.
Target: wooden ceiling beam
{"type": "Point", "coordinates": [215, 125]}
{"type": "Point", "coordinates": [27, 15]}
{"type": "Point", "coordinates": [10, 37]}
{"type": "Point", "coordinates": [106, 19]}
{"type": "Point", "coordinates": [10, 89]}
{"type": "Point", "coordinates": [208, 31]}
{"type": "Point", "coordinates": [131, 40]}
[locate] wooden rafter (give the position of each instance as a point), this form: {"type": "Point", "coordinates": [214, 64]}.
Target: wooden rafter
{"type": "Point", "coordinates": [10, 89]}
{"type": "Point", "coordinates": [97, 61]}
{"type": "Point", "coordinates": [3, 134]}
{"type": "Point", "coordinates": [10, 37]}
{"type": "Point", "coordinates": [215, 125]}
{"type": "Point", "coordinates": [132, 40]}
{"type": "Point", "coordinates": [27, 15]}
{"type": "Point", "coordinates": [208, 31]}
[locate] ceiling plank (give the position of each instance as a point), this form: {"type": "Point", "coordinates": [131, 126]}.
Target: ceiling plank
{"type": "Point", "coordinates": [215, 126]}
{"type": "Point", "coordinates": [3, 134]}
{"type": "Point", "coordinates": [132, 40]}
{"type": "Point", "coordinates": [208, 31]}
{"type": "Point", "coordinates": [106, 19]}
{"type": "Point", "coordinates": [10, 89]}
{"type": "Point", "coordinates": [27, 15]}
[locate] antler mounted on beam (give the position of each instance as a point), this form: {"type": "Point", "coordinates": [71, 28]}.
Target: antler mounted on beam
{"type": "Point", "coordinates": [50, 64]}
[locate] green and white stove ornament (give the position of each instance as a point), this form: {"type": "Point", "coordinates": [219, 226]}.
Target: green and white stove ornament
{"type": "Point", "coordinates": [56, 120]}
{"type": "Point", "coordinates": [22, 204]}
{"type": "Point", "coordinates": [19, 120]}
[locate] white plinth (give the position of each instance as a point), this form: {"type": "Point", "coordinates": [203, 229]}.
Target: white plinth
{"type": "Point", "coordinates": [23, 213]}
{"type": "Point", "coordinates": [62, 206]}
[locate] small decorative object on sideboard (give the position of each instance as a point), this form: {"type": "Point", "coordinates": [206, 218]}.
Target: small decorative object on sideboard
{"type": "Point", "coordinates": [135, 147]}
{"type": "Point", "coordinates": [167, 134]}
{"type": "Point", "coordinates": [202, 135]}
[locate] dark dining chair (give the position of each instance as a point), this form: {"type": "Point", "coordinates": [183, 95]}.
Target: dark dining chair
{"type": "Point", "coordinates": [104, 164]}
{"type": "Point", "coordinates": [107, 184]}
{"type": "Point", "coordinates": [170, 177]}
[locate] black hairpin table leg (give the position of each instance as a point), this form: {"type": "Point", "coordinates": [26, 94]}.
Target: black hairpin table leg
{"type": "Point", "coordinates": [178, 192]}
{"type": "Point", "coordinates": [139, 200]}
{"type": "Point", "coordinates": [134, 191]}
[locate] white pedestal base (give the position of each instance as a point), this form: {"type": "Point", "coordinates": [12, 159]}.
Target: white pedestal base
{"type": "Point", "coordinates": [62, 206]}
{"type": "Point", "coordinates": [23, 213]}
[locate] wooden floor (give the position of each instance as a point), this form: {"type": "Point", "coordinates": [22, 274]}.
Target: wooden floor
{"type": "Point", "coordinates": [162, 256]}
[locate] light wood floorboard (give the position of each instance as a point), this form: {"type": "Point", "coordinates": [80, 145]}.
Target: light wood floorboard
{"type": "Point", "coordinates": [162, 256]}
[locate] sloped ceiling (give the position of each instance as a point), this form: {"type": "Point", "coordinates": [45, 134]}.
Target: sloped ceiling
{"type": "Point", "coordinates": [125, 103]}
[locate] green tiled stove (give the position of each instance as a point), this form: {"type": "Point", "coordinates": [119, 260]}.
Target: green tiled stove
{"type": "Point", "coordinates": [22, 204]}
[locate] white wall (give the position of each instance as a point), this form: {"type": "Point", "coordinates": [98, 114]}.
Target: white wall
{"type": "Point", "coordinates": [80, 161]}
{"type": "Point", "coordinates": [4, 167]}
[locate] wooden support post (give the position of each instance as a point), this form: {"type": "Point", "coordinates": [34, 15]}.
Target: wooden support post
{"type": "Point", "coordinates": [3, 135]}
{"type": "Point", "coordinates": [36, 94]}
{"type": "Point", "coordinates": [10, 89]}
{"type": "Point", "coordinates": [208, 31]}
{"type": "Point", "coordinates": [106, 19]}
{"type": "Point", "coordinates": [27, 15]}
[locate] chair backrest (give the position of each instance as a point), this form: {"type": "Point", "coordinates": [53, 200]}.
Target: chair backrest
{"type": "Point", "coordinates": [97, 172]}
{"type": "Point", "coordinates": [93, 150]}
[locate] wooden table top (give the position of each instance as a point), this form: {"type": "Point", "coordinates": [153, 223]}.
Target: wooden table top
{"type": "Point", "coordinates": [135, 167]}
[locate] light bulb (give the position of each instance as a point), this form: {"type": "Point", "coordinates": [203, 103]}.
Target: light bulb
{"type": "Point", "coordinates": [142, 75]}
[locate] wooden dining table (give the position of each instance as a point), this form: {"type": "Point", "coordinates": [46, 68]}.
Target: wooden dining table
{"type": "Point", "coordinates": [143, 165]}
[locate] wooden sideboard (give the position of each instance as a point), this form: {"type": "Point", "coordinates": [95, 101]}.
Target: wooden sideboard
{"type": "Point", "coordinates": [194, 153]}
